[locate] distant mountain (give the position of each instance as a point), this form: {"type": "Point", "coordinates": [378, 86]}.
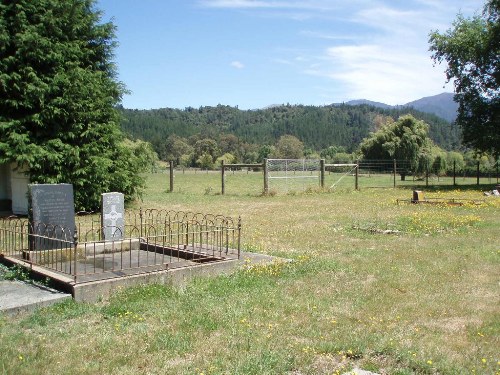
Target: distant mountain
{"type": "Point", "coordinates": [369, 102]}
{"type": "Point", "coordinates": [441, 105]}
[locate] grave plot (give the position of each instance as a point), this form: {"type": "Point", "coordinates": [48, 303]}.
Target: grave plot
{"type": "Point", "coordinates": [115, 242]}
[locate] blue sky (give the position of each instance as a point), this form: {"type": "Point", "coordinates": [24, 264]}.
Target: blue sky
{"type": "Point", "coordinates": [255, 53]}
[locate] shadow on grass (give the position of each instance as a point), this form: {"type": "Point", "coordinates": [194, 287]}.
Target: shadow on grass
{"type": "Point", "coordinates": [434, 188]}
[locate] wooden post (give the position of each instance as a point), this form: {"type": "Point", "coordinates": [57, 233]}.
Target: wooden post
{"type": "Point", "coordinates": [427, 173]}
{"type": "Point", "coordinates": [454, 172]}
{"type": "Point", "coordinates": [171, 176]}
{"type": "Point", "coordinates": [356, 185]}
{"type": "Point", "coordinates": [498, 162]}
{"type": "Point", "coordinates": [395, 169]}
{"type": "Point", "coordinates": [322, 173]}
{"type": "Point", "coordinates": [478, 172]}
{"type": "Point", "coordinates": [222, 170]}
{"type": "Point", "coordinates": [266, 180]}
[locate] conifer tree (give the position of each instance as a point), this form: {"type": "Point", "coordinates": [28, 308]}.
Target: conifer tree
{"type": "Point", "coordinates": [58, 93]}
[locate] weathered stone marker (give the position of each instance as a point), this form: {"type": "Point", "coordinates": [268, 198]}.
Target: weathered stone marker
{"type": "Point", "coordinates": [51, 210]}
{"type": "Point", "coordinates": [418, 196]}
{"type": "Point", "coordinates": [113, 216]}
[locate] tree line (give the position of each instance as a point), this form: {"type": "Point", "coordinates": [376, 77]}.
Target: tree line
{"type": "Point", "coordinates": [191, 135]}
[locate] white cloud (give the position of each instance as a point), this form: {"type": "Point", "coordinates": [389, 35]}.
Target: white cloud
{"type": "Point", "coordinates": [372, 72]}
{"type": "Point", "coordinates": [237, 64]}
{"type": "Point", "coordinates": [390, 62]}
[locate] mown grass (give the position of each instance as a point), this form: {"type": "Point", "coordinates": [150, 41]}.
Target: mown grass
{"type": "Point", "coordinates": [421, 299]}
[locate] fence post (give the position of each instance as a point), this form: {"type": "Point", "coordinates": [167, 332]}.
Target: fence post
{"type": "Point", "coordinates": [356, 186]}
{"type": "Point", "coordinates": [498, 162]}
{"type": "Point", "coordinates": [75, 241]}
{"type": "Point", "coordinates": [322, 173]}
{"type": "Point", "coordinates": [171, 176]}
{"type": "Point", "coordinates": [222, 170]}
{"type": "Point", "coordinates": [140, 218]}
{"type": "Point", "coordinates": [454, 172]}
{"type": "Point", "coordinates": [266, 178]}
{"type": "Point", "coordinates": [478, 172]}
{"type": "Point", "coordinates": [427, 173]}
{"type": "Point", "coordinates": [239, 236]}
{"type": "Point", "coordinates": [395, 169]}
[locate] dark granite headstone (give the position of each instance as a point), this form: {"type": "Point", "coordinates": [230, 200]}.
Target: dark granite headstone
{"type": "Point", "coordinates": [112, 216]}
{"type": "Point", "coordinates": [51, 215]}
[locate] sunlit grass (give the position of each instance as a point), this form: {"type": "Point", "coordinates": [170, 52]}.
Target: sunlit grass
{"type": "Point", "coordinates": [421, 300]}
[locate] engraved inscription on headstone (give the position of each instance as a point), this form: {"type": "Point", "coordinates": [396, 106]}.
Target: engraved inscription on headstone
{"type": "Point", "coordinates": [51, 215]}
{"type": "Point", "coordinates": [112, 216]}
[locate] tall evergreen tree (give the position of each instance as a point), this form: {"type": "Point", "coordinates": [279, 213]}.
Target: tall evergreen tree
{"type": "Point", "coordinates": [58, 93]}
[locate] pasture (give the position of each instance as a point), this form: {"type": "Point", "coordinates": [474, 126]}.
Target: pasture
{"type": "Point", "coordinates": [386, 287]}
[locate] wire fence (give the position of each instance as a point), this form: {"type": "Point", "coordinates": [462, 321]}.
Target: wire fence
{"type": "Point", "coordinates": [251, 180]}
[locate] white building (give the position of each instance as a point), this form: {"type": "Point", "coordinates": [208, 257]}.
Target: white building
{"type": "Point", "coordinates": [13, 189]}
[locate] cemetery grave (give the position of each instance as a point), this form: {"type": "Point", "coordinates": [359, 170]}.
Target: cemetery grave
{"type": "Point", "coordinates": [78, 249]}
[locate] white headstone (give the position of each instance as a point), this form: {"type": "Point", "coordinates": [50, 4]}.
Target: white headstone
{"type": "Point", "coordinates": [113, 216]}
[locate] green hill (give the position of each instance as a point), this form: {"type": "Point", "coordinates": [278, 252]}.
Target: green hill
{"type": "Point", "coordinates": [317, 127]}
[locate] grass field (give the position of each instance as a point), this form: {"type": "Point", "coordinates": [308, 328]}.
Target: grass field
{"type": "Point", "coordinates": [394, 289]}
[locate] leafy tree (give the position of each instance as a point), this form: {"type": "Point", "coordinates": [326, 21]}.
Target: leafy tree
{"type": "Point", "coordinates": [145, 156]}
{"type": "Point", "coordinates": [229, 143]}
{"type": "Point", "coordinates": [228, 158]}
{"type": "Point", "coordinates": [439, 163]}
{"type": "Point", "coordinates": [289, 147]}
{"type": "Point", "coordinates": [406, 139]}
{"type": "Point", "coordinates": [454, 159]}
{"type": "Point", "coordinates": [342, 157]}
{"type": "Point", "coordinates": [174, 148]}
{"type": "Point", "coordinates": [206, 146]}
{"type": "Point", "coordinates": [265, 152]}
{"type": "Point", "coordinates": [472, 50]}
{"type": "Point", "coordinates": [330, 153]}
{"type": "Point", "coordinates": [58, 93]}
{"type": "Point", "coordinates": [205, 161]}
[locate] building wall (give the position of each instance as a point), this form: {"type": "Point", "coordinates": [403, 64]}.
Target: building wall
{"type": "Point", "coordinates": [13, 189]}
{"type": "Point", "coordinates": [19, 190]}
{"type": "Point", "coordinates": [5, 188]}
{"type": "Point", "coordinates": [4, 181]}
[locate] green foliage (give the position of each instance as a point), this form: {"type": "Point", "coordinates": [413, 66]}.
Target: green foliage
{"type": "Point", "coordinates": [265, 152]}
{"type": "Point", "coordinates": [228, 158]}
{"type": "Point", "coordinates": [454, 160]}
{"type": "Point", "coordinates": [14, 273]}
{"type": "Point", "coordinates": [330, 152]}
{"type": "Point", "coordinates": [471, 49]}
{"type": "Point", "coordinates": [289, 147]}
{"type": "Point", "coordinates": [144, 155]}
{"type": "Point", "coordinates": [58, 95]}
{"type": "Point", "coordinates": [439, 163]}
{"type": "Point", "coordinates": [206, 146]}
{"type": "Point", "coordinates": [244, 133]}
{"type": "Point", "coordinates": [205, 161]}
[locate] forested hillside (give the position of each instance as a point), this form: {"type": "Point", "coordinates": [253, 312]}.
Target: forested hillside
{"type": "Point", "coordinates": [317, 127]}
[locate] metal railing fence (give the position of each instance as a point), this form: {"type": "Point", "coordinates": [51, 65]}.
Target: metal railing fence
{"type": "Point", "coordinates": [151, 240]}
